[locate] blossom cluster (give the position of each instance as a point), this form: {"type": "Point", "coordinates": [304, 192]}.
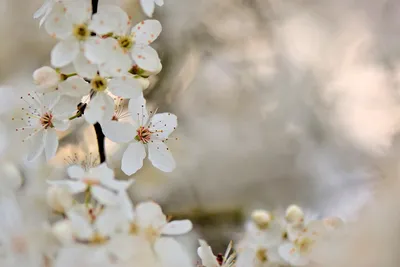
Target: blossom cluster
{"type": "Point", "coordinates": [283, 240]}
{"type": "Point", "coordinates": [99, 69]}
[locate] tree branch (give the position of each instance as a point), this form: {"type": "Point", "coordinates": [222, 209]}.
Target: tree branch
{"type": "Point", "coordinates": [97, 126]}
{"type": "Point", "coordinates": [95, 4]}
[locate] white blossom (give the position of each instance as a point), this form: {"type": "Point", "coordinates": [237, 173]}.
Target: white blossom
{"type": "Point", "coordinates": [59, 198]}
{"type": "Point", "coordinates": [99, 181]}
{"type": "Point", "coordinates": [43, 119]}
{"type": "Point", "coordinates": [128, 46]}
{"type": "Point", "coordinates": [142, 132]}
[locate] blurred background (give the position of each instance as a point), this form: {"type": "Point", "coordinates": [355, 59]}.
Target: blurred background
{"type": "Point", "coordinates": [278, 101]}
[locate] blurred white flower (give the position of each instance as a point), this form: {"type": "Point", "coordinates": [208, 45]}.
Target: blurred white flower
{"type": "Point", "coordinates": [63, 231]}
{"type": "Point", "coordinates": [298, 251]}
{"type": "Point", "coordinates": [99, 181]}
{"type": "Point", "coordinates": [208, 259]}
{"type": "Point", "coordinates": [43, 118]}
{"type": "Point", "coordinates": [149, 5]}
{"type": "Point", "coordinates": [143, 131]}
{"type": "Point", "coordinates": [44, 11]}
{"type": "Point", "coordinates": [150, 222]}
{"type": "Point", "coordinates": [59, 199]}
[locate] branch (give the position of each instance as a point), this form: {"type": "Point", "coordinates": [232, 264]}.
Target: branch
{"type": "Point", "coordinates": [95, 4]}
{"type": "Point", "coordinates": [100, 141]}
{"type": "Point", "coordinates": [97, 126]}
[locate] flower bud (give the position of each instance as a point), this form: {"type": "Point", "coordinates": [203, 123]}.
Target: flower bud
{"type": "Point", "coordinates": [11, 175]}
{"type": "Point", "coordinates": [261, 218]}
{"type": "Point", "coordinates": [46, 78]}
{"type": "Point", "coordinates": [294, 214]}
{"type": "Point", "coordinates": [59, 199]}
{"type": "Point", "coordinates": [62, 230]}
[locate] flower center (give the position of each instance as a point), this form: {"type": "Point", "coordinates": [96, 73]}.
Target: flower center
{"type": "Point", "coordinates": [90, 181]}
{"type": "Point", "coordinates": [261, 255]}
{"type": "Point", "coordinates": [47, 120]}
{"type": "Point", "coordinates": [126, 42]}
{"type": "Point", "coordinates": [143, 134]}
{"type": "Point", "coordinates": [81, 32]}
{"type": "Point", "coordinates": [304, 244]}
{"type": "Point", "coordinates": [99, 84]}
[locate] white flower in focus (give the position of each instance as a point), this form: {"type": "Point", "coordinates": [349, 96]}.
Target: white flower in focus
{"type": "Point", "coordinates": [149, 5]}
{"type": "Point", "coordinates": [43, 119]}
{"type": "Point", "coordinates": [70, 24]}
{"type": "Point", "coordinates": [99, 181]}
{"type": "Point", "coordinates": [208, 259]}
{"type": "Point", "coordinates": [130, 46]}
{"type": "Point", "coordinates": [101, 104]}
{"type": "Point", "coordinates": [143, 132]}
{"type": "Point", "coordinates": [150, 222]}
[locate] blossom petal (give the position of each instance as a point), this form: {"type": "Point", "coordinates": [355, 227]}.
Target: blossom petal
{"type": "Point", "coordinates": [74, 187]}
{"type": "Point", "coordinates": [36, 145]}
{"type": "Point", "coordinates": [119, 62]}
{"type": "Point", "coordinates": [206, 255]}
{"type": "Point", "coordinates": [133, 157]}
{"type": "Point", "coordinates": [146, 31]}
{"type": "Point", "coordinates": [126, 205]}
{"type": "Point", "coordinates": [119, 132]}
{"type": "Point", "coordinates": [84, 67]}
{"type": "Point", "coordinates": [110, 19]}
{"type": "Point", "coordinates": [159, 2]}
{"type": "Point", "coordinates": [138, 110]}
{"type": "Point", "coordinates": [146, 58]}
{"type": "Point", "coordinates": [149, 214]}
{"type": "Point", "coordinates": [78, 12]}
{"type": "Point", "coordinates": [65, 107]}
{"type": "Point", "coordinates": [96, 49]}
{"type": "Point", "coordinates": [100, 107]}
{"type": "Point", "coordinates": [163, 124]}
{"type": "Point", "coordinates": [60, 125]}
{"type": "Point", "coordinates": [125, 87]}
{"type": "Point", "coordinates": [171, 253]}
{"type": "Point", "coordinates": [161, 157]}
{"type": "Point", "coordinates": [64, 52]}
{"type": "Point", "coordinates": [104, 196]}
{"type": "Point", "coordinates": [75, 87]}
{"type": "Point", "coordinates": [76, 172]}
{"type": "Point", "coordinates": [57, 25]}
{"type": "Point", "coordinates": [178, 227]}
{"type": "Point", "coordinates": [110, 221]}
{"type": "Point", "coordinates": [290, 254]}
{"type": "Point", "coordinates": [148, 7]}
{"type": "Point", "coordinates": [102, 172]}
{"type": "Point", "coordinates": [51, 144]}
{"type": "Point", "coordinates": [80, 226]}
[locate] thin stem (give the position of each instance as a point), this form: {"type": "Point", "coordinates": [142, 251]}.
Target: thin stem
{"type": "Point", "coordinates": [100, 141]}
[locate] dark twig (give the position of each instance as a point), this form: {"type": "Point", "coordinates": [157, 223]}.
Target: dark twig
{"type": "Point", "coordinates": [97, 126]}
{"type": "Point", "coordinates": [95, 4]}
